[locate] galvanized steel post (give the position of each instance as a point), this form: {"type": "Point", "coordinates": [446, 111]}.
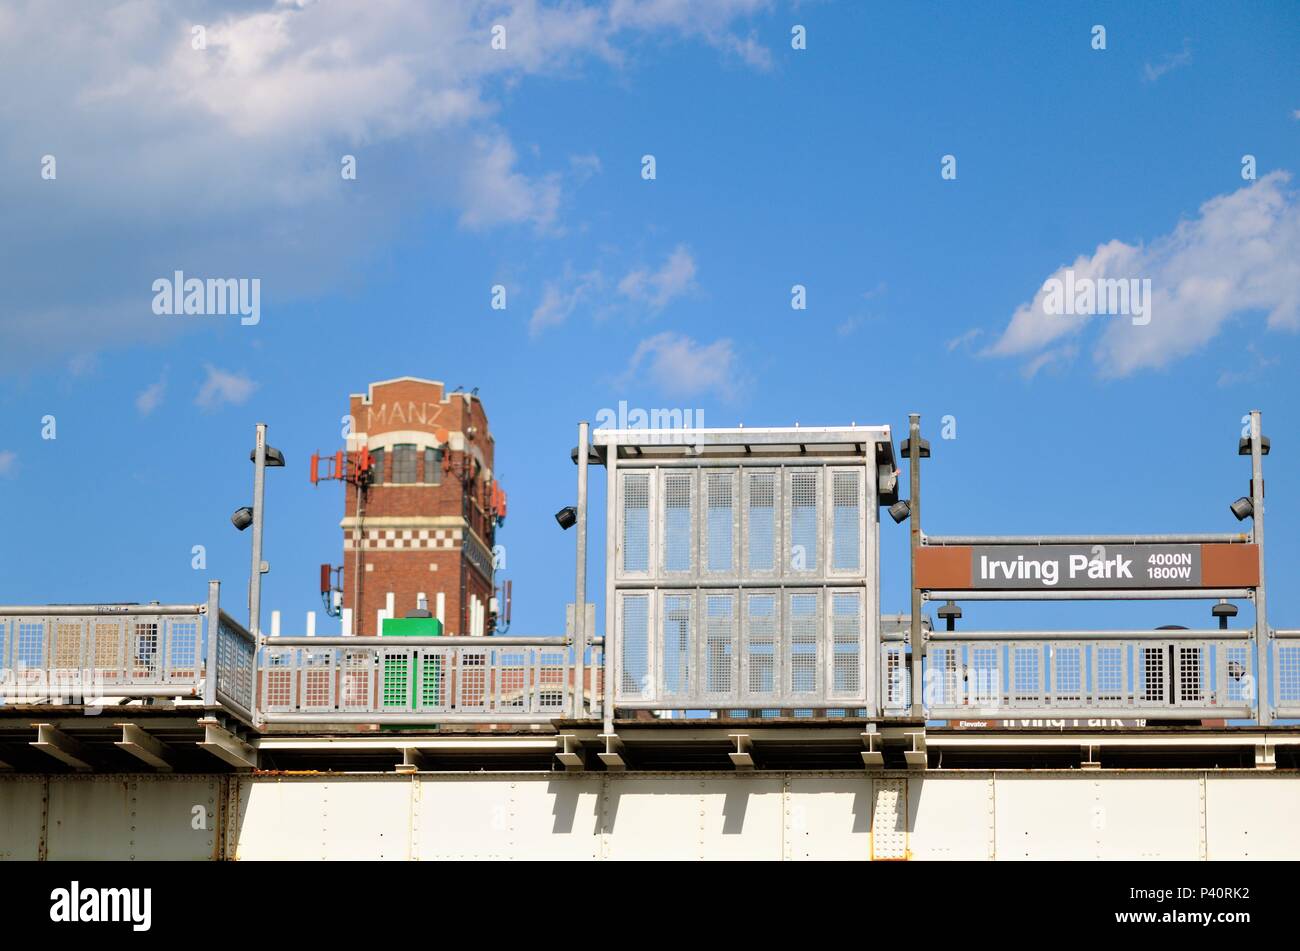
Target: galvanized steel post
{"type": "Point", "coordinates": [255, 580]}
{"type": "Point", "coordinates": [914, 478]}
{"type": "Point", "coordinates": [613, 635]}
{"type": "Point", "coordinates": [580, 594]}
{"type": "Point", "coordinates": [1257, 533]}
{"type": "Point", "coordinates": [214, 626]}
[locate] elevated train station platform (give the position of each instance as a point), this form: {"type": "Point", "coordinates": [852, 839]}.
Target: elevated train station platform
{"type": "Point", "coordinates": [744, 697]}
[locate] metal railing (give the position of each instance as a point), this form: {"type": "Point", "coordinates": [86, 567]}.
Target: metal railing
{"type": "Point", "coordinates": [1161, 674]}
{"type": "Point", "coordinates": [373, 680]}
{"type": "Point", "coordinates": [83, 653]}
{"type": "Point", "coordinates": [1286, 673]}
{"type": "Point", "coordinates": [79, 654]}
{"type": "Point", "coordinates": [233, 660]}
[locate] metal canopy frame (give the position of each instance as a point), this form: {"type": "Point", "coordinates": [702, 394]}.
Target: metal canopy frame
{"type": "Point", "coordinates": [696, 622]}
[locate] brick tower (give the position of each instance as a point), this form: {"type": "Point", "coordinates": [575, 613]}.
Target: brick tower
{"type": "Point", "coordinates": [422, 519]}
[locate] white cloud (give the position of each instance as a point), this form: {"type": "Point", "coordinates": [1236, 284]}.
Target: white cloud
{"type": "Point", "coordinates": [498, 194]}
{"type": "Point", "coordinates": [709, 22]}
{"type": "Point", "coordinates": [658, 288]}
{"type": "Point", "coordinates": [222, 387]}
{"type": "Point", "coordinates": [560, 298]}
{"type": "Point", "coordinates": [1250, 373]}
{"type": "Point", "coordinates": [1173, 61]}
{"type": "Point", "coordinates": [584, 167]}
{"type": "Point", "coordinates": [1055, 357]}
{"type": "Point", "coordinates": [682, 367]}
{"type": "Point", "coordinates": [965, 339]}
{"type": "Point", "coordinates": [8, 462]}
{"type": "Point", "coordinates": [150, 398]}
{"type": "Point", "coordinates": [225, 161]}
{"type": "Point", "coordinates": [82, 364]}
{"type": "Point", "coordinates": [1239, 256]}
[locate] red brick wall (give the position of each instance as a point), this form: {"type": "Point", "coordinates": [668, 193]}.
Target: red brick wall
{"type": "Point", "coordinates": [411, 529]}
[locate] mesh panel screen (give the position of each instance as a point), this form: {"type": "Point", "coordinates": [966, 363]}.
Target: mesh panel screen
{"type": "Point", "coordinates": [1153, 673]}
{"type": "Point", "coordinates": [761, 644]}
{"type": "Point", "coordinates": [1025, 663]}
{"type": "Point", "coordinates": [1238, 661]}
{"type": "Point", "coordinates": [30, 648]}
{"type": "Point", "coordinates": [803, 520]}
{"type": "Point", "coordinates": [677, 522]}
{"type": "Point", "coordinates": [676, 644]}
{"type": "Point", "coordinates": [845, 537]}
{"type": "Point", "coordinates": [1190, 669]}
{"type": "Point", "coordinates": [1068, 664]}
{"type": "Point", "coordinates": [719, 649]}
{"type": "Point", "coordinates": [1110, 672]}
{"type": "Point", "coordinates": [1288, 674]}
{"type": "Point", "coordinates": [719, 521]}
{"type": "Point", "coordinates": [846, 616]}
{"type": "Point", "coordinates": [762, 521]}
{"type": "Point", "coordinates": [985, 685]}
{"type": "Point", "coordinates": [802, 658]}
{"type": "Point", "coordinates": [636, 645]}
{"type": "Point", "coordinates": [636, 522]}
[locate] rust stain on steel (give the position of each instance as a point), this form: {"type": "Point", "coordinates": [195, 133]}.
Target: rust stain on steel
{"type": "Point", "coordinates": [292, 772]}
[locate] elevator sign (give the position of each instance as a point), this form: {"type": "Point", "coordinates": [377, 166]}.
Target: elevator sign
{"type": "Point", "coordinates": [1080, 567]}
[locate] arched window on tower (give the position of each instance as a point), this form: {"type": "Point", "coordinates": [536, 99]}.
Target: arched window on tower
{"type": "Point", "coordinates": [404, 456]}
{"type": "Point", "coordinates": [433, 466]}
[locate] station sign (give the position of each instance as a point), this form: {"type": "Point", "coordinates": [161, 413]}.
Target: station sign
{"type": "Point", "coordinates": [1084, 567]}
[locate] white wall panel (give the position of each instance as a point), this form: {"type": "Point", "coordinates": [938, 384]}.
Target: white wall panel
{"type": "Point", "coordinates": [335, 819]}
{"type": "Point", "coordinates": [939, 815]}
{"type": "Point", "coordinates": [509, 817]}
{"type": "Point", "coordinates": [829, 817]}
{"type": "Point", "coordinates": [20, 819]}
{"type": "Point", "coordinates": [1252, 817]}
{"type": "Point", "coordinates": [951, 816]}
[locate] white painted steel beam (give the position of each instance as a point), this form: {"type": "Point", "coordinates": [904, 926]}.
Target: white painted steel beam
{"type": "Point", "coordinates": [756, 815]}
{"type": "Point", "coordinates": [61, 746]}
{"type": "Point", "coordinates": [224, 745]}
{"type": "Point", "coordinates": [145, 747]}
{"type": "Point", "coordinates": [566, 751]}
{"type": "Point", "coordinates": [743, 757]}
{"type": "Point", "coordinates": [612, 757]}
{"type": "Point", "coordinates": [872, 757]}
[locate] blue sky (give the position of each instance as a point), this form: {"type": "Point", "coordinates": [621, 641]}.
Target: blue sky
{"type": "Point", "coordinates": [522, 167]}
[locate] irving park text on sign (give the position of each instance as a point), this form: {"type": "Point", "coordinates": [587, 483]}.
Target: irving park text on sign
{"type": "Point", "coordinates": [1048, 567]}
{"type": "Point", "coordinates": [1081, 566]}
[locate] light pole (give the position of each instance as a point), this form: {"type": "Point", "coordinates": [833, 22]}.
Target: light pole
{"type": "Point", "coordinates": [259, 566]}
{"type": "Point", "coordinates": [261, 457]}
